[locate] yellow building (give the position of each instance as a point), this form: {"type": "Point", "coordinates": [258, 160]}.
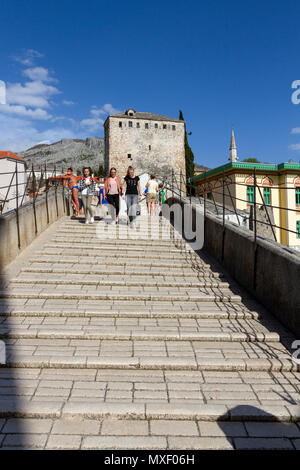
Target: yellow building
{"type": "Point", "coordinates": [277, 186]}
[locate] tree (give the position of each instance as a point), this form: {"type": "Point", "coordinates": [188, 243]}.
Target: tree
{"type": "Point", "coordinates": [189, 156]}
{"type": "Point", "coordinates": [98, 172]}
{"type": "Point", "coordinates": [251, 160]}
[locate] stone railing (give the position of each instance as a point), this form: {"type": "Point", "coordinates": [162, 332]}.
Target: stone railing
{"type": "Point", "coordinates": [18, 228]}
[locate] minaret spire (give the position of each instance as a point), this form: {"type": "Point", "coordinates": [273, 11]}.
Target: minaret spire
{"type": "Point", "coordinates": [233, 150]}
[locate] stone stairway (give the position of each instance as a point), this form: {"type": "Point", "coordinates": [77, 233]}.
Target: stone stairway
{"type": "Point", "coordinates": [120, 338]}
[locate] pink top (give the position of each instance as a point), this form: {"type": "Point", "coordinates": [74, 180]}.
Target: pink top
{"type": "Point", "coordinates": [112, 186]}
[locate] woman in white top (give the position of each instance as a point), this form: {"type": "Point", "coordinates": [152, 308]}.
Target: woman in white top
{"type": "Point", "coordinates": [151, 194]}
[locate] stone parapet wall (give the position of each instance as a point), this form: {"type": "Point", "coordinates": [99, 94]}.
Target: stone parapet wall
{"type": "Point", "coordinates": [32, 220]}
{"type": "Point", "coordinates": [269, 270]}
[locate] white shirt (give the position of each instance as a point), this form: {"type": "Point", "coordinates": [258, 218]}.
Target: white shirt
{"type": "Point", "coordinates": [152, 187]}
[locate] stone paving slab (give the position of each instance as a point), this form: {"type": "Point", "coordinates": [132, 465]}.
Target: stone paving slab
{"type": "Point", "coordinates": [76, 433]}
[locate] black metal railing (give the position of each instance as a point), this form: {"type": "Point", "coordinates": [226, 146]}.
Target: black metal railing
{"type": "Point", "coordinates": [224, 189]}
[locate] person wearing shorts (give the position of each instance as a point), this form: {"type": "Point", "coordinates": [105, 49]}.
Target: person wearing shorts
{"type": "Point", "coordinates": [151, 194]}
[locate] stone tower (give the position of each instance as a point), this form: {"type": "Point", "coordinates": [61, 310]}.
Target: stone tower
{"type": "Point", "coordinates": [149, 142]}
{"type": "Point", "coordinates": [233, 150]}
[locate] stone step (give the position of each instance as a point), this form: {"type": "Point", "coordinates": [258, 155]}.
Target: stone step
{"type": "Point", "coordinates": [72, 270]}
{"type": "Point", "coordinates": [142, 222]}
{"type": "Point", "coordinates": [212, 331]}
{"type": "Point", "coordinates": [121, 243]}
{"type": "Point", "coordinates": [92, 234]}
{"type": "Point", "coordinates": [149, 411]}
{"type": "Point", "coordinates": [37, 311]}
{"type": "Point", "coordinates": [106, 430]}
{"type": "Point", "coordinates": [107, 256]}
{"type": "Point", "coordinates": [106, 247]}
{"type": "Point", "coordinates": [50, 359]}
{"type": "Point", "coordinates": [54, 280]}
{"type": "Point", "coordinates": [112, 231]}
{"type": "Point", "coordinates": [180, 387]}
{"type": "Point", "coordinates": [30, 293]}
{"type": "Point", "coordinates": [86, 259]}
{"type": "Point", "coordinates": [159, 353]}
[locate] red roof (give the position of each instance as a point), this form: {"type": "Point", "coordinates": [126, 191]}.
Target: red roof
{"type": "Point", "coordinates": [7, 153]}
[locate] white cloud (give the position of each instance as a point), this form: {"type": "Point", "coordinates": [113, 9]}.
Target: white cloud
{"type": "Point", "coordinates": [295, 130]}
{"type": "Point", "coordinates": [18, 110]}
{"type": "Point", "coordinates": [35, 94]}
{"type": "Point", "coordinates": [19, 134]}
{"type": "Point", "coordinates": [38, 74]}
{"type": "Point", "coordinates": [95, 122]}
{"type": "Point", "coordinates": [105, 109]}
{"type": "Point", "coordinates": [65, 118]}
{"type": "Point", "coordinates": [28, 57]}
{"type": "Point", "coordinates": [92, 124]}
{"type": "Point", "coordinates": [294, 146]}
{"type": "Point", "coordinates": [68, 103]}
{"type": "Point", "coordinates": [30, 101]}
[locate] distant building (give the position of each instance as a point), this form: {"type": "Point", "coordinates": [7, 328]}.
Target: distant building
{"type": "Point", "coordinates": [199, 169]}
{"type": "Point", "coordinates": [149, 142]}
{"type": "Point", "coordinates": [277, 185]}
{"type": "Point", "coordinates": [9, 164]}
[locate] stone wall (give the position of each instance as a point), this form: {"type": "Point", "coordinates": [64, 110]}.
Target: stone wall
{"type": "Point", "coordinates": [153, 150]}
{"type": "Point", "coordinates": [263, 226]}
{"type": "Point", "coordinates": [33, 219]}
{"type": "Point", "coordinates": [269, 271]}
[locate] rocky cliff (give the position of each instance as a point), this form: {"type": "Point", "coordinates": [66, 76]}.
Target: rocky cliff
{"type": "Point", "coordinates": [67, 152]}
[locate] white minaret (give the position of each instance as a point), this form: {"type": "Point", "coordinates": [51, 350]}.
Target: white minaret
{"type": "Point", "coordinates": [233, 151]}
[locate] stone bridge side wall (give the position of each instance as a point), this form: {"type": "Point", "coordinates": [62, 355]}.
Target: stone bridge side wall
{"type": "Point", "coordinates": [271, 274]}
{"type": "Point", "coordinates": [28, 229]}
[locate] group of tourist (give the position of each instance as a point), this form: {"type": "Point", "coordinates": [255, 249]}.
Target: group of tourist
{"type": "Point", "coordinates": [111, 192]}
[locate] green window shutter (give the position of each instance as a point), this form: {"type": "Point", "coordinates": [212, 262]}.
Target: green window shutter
{"type": "Point", "coordinates": [250, 194]}
{"type": "Point", "coordinates": [267, 196]}
{"type": "Point", "coordinates": [298, 228]}
{"type": "Point", "coordinates": [298, 196]}
{"type": "Point", "coordinates": [209, 196]}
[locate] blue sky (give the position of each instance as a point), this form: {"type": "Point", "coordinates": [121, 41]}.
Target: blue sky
{"type": "Point", "coordinates": [67, 64]}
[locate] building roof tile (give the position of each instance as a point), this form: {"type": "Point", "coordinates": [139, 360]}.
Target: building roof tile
{"type": "Point", "coordinates": [8, 154]}
{"type": "Point", "coordinates": [146, 116]}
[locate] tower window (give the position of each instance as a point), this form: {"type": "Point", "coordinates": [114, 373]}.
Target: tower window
{"type": "Point", "coordinates": [146, 125]}
{"type": "Point", "coordinates": [149, 147]}
{"type": "Point", "coordinates": [164, 126]}
{"type": "Point", "coordinates": [156, 126]}
{"type": "Point", "coordinates": [173, 128]}
{"type": "Point", "coordinates": [138, 125]}
{"type": "Point", "coordinates": [129, 156]}
{"type": "Point", "coordinates": [120, 123]}
{"type": "Point", "coordinates": [130, 124]}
